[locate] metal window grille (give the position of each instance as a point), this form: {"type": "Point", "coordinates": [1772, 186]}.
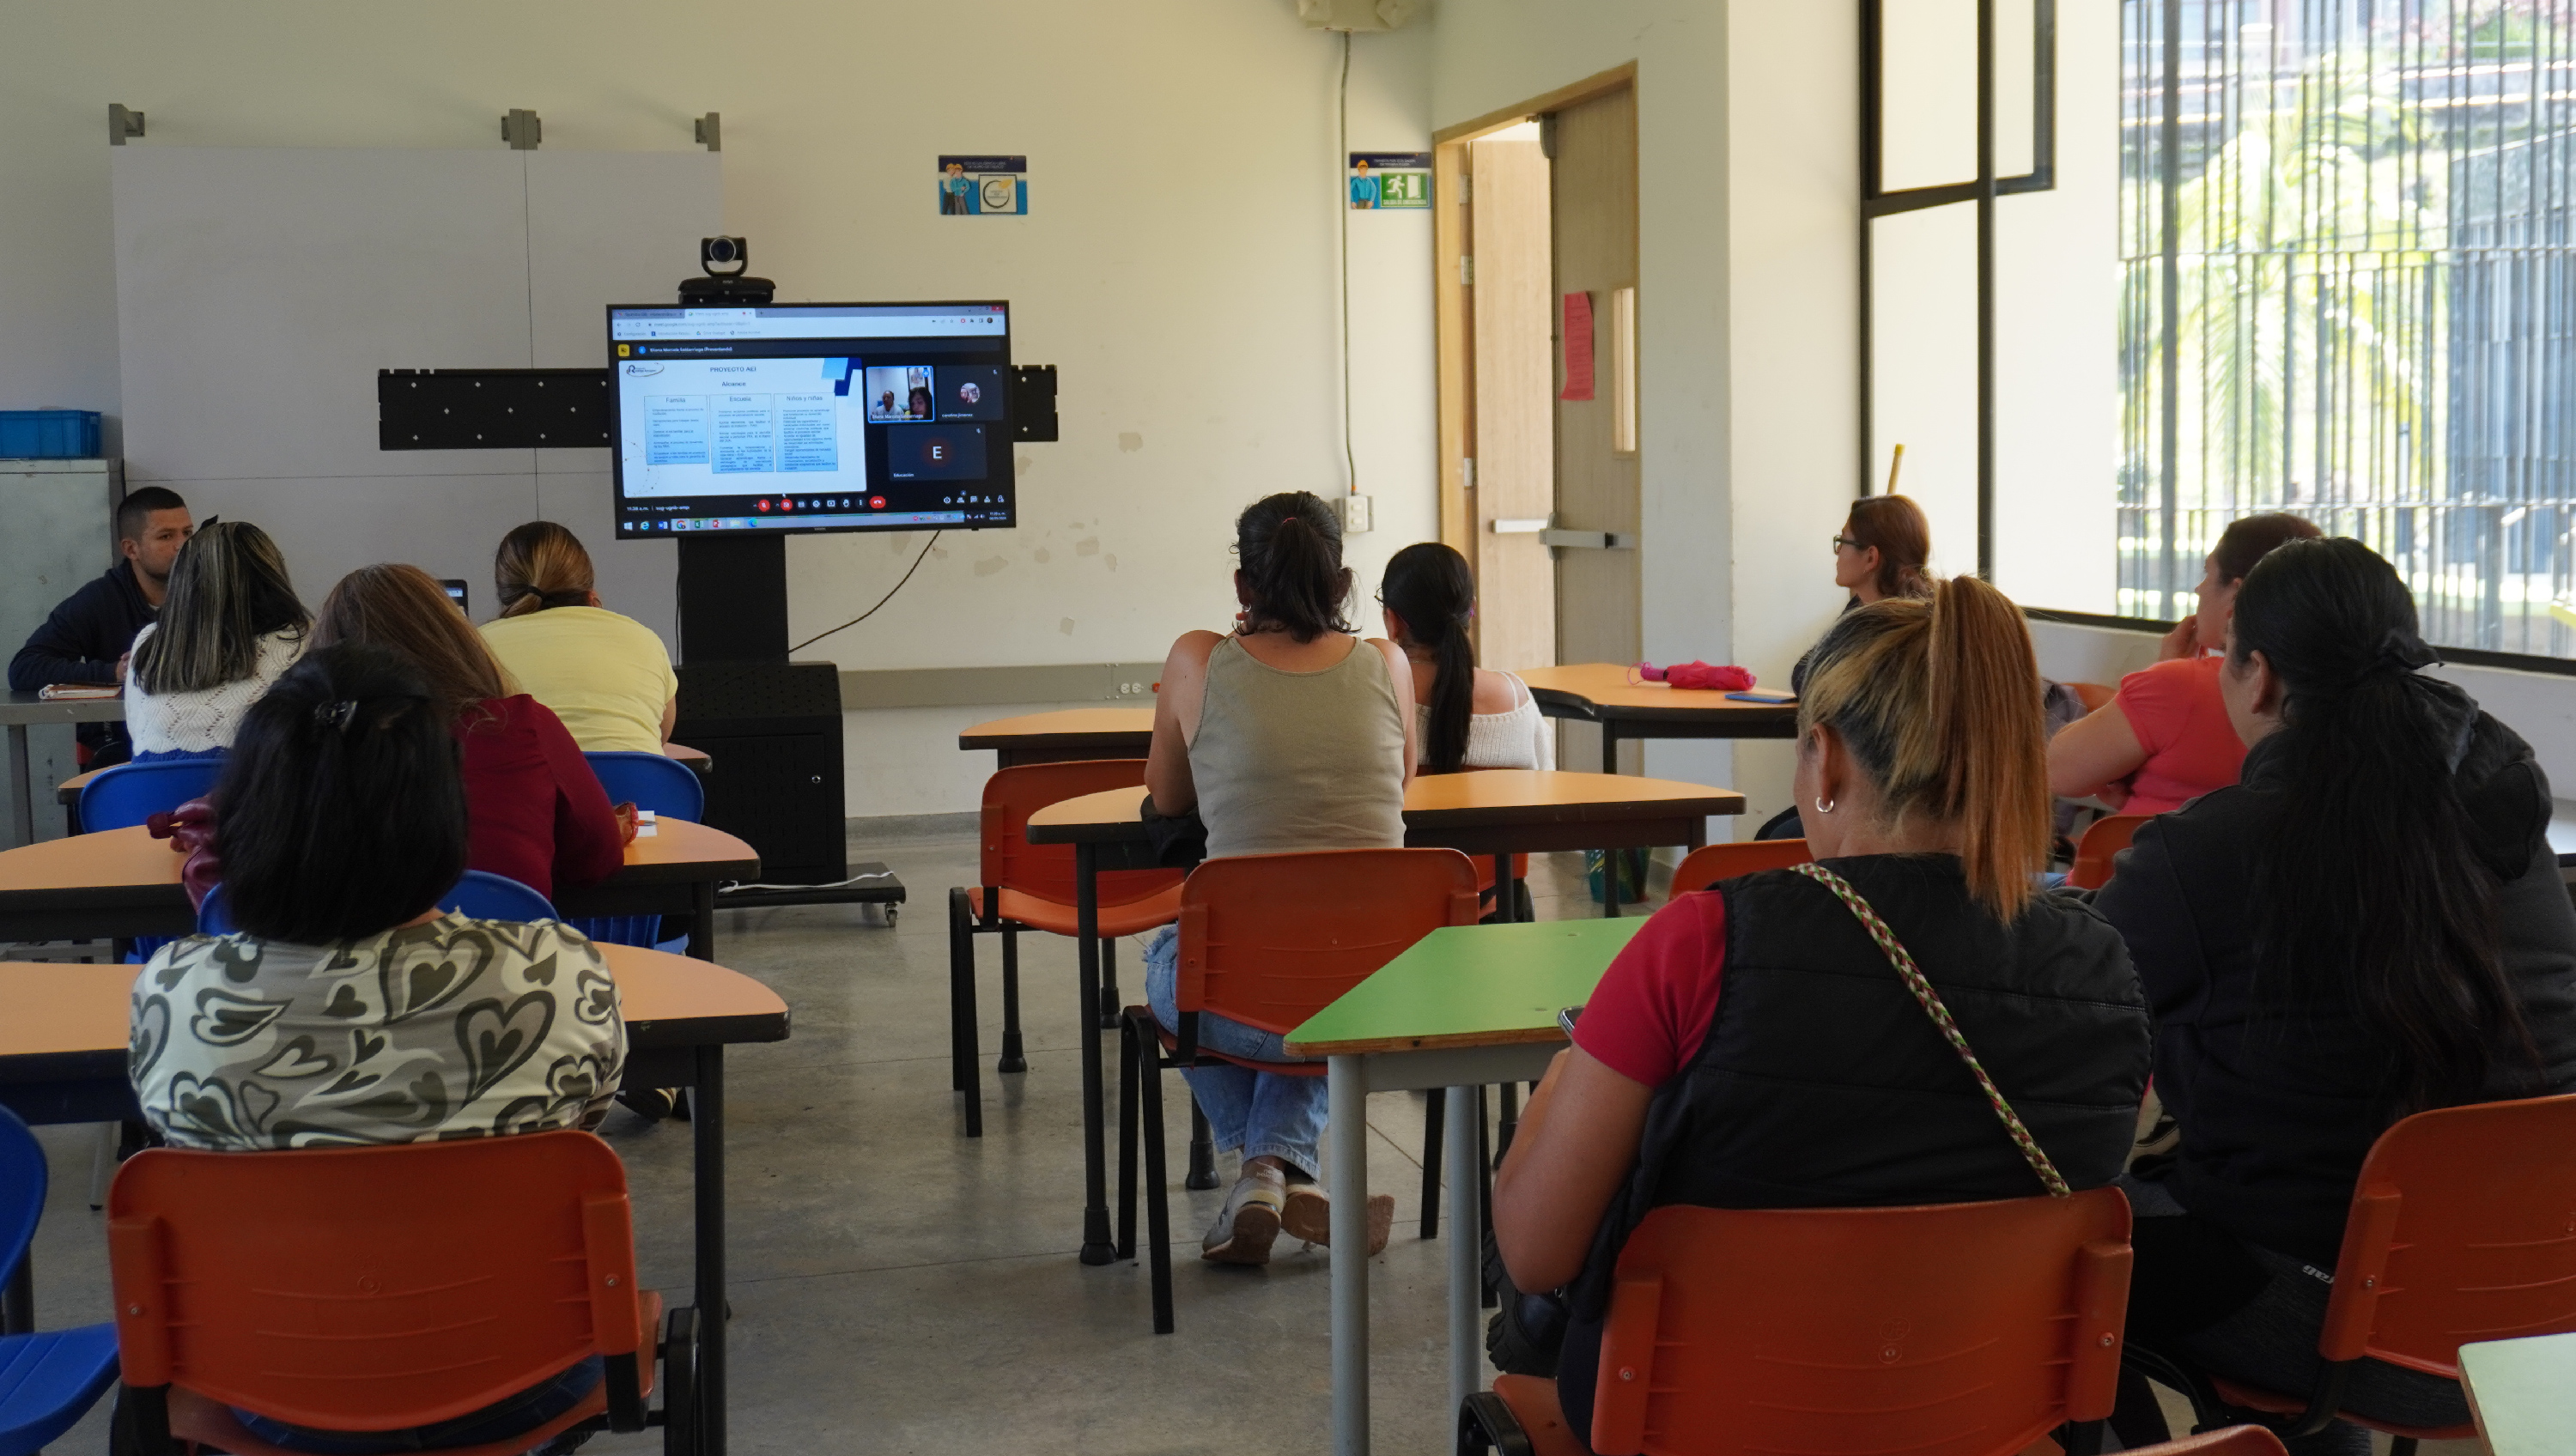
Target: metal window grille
{"type": "Point", "coordinates": [2349, 291]}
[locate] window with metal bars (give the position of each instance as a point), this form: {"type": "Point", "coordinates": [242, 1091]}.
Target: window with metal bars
{"type": "Point", "coordinates": [2349, 291]}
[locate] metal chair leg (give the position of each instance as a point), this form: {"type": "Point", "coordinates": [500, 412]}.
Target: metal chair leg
{"type": "Point", "coordinates": [1158, 1211]}
{"type": "Point", "coordinates": [1435, 1108]}
{"type": "Point", "coordinates": [964, 1054]}
{"type": "Point", "coordinates": [1511, 1122]}
{"type": "Point", "coordinates": [1109, 1007]}
{"type": "Point", "coordinates": [1202, 1175]}
{"type": "Point", "coordinates": [1485, 1180]}
{"type": "Point", "coordinates": [1014, 1056]}
{"type": "Point", "coordinates": [1129, 1059]}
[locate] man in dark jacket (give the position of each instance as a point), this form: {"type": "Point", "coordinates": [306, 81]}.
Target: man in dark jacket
{"type": "Point", "coordinates": [87, 638]}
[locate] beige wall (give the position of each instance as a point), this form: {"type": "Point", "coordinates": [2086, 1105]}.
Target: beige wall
{"type": "Point", "coordinates": [1745, 150]}
{"type": "Point", "coordinates": [1179, 264]}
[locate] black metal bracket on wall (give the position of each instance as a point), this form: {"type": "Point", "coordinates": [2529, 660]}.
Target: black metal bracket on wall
{"type": "Point", "coordinates": [1877, 202]}
{"type": "Point", "coordinates": [520, 409]}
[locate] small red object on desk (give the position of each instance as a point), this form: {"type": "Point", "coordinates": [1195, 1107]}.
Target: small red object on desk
{"type": "Point", "coordinates": [1697, 677]}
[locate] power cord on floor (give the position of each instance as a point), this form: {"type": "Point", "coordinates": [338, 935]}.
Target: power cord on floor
{"type": "Point", "coordinates": [881, 601]}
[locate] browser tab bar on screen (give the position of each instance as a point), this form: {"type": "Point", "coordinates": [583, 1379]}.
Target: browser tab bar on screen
{"type": "Point", "coordinates": [807, 323]}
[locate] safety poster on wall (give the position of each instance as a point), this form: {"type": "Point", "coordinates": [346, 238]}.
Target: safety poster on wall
{"type": "Point", "coordinates": [983, 186]}
{"type": "Point", "coordinates": [1381, 181]}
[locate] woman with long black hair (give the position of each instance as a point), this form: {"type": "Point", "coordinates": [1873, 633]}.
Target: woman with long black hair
{"type": "Point", "coordinates": [1465, 716]}
{"type": "Point", "coordinates": [2370, 923]}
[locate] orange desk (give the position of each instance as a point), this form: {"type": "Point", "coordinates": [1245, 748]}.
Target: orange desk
{"type": "Point", "coordinates": [1501, 812]}
{"type": "Point", "coordinates": [122, 883]}
{"type": "Point", "coordinates": [62, 1059]}
{"type": "Point", "coordinates": [1063, 737]}
{"type": "Point", "coordinates": [1599, 692]}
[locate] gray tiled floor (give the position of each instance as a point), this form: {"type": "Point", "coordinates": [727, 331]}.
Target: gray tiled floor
{"type": "Point", "coordinates": [899, 1288]}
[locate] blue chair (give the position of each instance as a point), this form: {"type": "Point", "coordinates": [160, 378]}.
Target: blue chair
{"type": "Point", "coordinates": [652, 781]}
{"type": "Point", "coordinates": [129, 793]}
{"type": "Point", "coordinates": [48, 1381]}
{"type": "Point", "coordinates": [126, 794]}
{"type": "Point", "coordinates": [481, 895]}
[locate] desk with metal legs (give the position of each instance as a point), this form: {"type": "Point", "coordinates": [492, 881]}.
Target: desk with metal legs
{"type": "Point", "coordinates": [63, 1059]}
{"type": "Point", "coordinates": [1064, 736]}
{"type": "Point", "coordinates": [1501, 812]}
{"type": "Point", "coordinates": [23, 710]}
{"type": "Point", "coordinates": [1464, 1008]}
{"type": "Point", "coordinates": [1600, 692]}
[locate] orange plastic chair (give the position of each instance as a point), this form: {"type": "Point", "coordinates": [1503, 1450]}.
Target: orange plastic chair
{"type": "Point", "coordinates": [1710, 863]}
{"type": "Point", "coordinates": [1031, 887]}
{"type": "Point", "coordinates": [1961, 1329]}
{"type": "Point", "coordinates": [2460, 1229]}
{"type": "Point", "coordinates": [1269, 940]}
{"type": "Point", "coordinates": [2101, 846]}
{"type": "Point", "coordinates": [373, 1289]}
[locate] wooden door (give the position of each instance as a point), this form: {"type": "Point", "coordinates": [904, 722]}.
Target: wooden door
{"type": "Point", "coordinates": [1514, 422]}
{"type": "Point", "coordinates": [1593, 146]}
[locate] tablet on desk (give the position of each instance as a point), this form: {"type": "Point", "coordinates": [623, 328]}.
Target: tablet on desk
{"type": "Point", "coordinates": [1763, 695]}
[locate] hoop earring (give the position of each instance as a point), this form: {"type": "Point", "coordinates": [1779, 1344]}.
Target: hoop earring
{"type": "Point", "coordinates": [1824, 805]}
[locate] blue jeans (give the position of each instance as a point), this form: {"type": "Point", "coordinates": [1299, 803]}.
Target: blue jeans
{"type": "Point", "coordinates": [1264, 1114]}
{"type": "Point", "coordinates": [499, 1421]}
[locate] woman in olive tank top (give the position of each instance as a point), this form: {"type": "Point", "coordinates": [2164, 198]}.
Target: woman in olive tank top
{"type": "Point", "coordinates": [1290, 734]}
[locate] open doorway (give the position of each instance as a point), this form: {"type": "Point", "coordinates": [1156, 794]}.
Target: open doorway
{"type": "Point", "coordinates": [1538, 441]}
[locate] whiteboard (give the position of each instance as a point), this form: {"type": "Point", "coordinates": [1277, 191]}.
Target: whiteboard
{"type": "Point", "coordinates": [260, 289]}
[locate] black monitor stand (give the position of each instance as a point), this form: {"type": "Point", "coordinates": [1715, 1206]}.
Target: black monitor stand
{"type": "Point", "coordinates": [772, 726]}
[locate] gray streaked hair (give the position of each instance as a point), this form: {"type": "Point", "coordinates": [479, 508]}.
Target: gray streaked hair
{"type": "Point", "coordinates": [228, 589]}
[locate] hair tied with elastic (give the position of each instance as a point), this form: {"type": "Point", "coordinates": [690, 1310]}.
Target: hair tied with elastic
{"type": "Point", "coordinates": [2401, 654]}
{"type": "Point", "coordinates": [336, 715]}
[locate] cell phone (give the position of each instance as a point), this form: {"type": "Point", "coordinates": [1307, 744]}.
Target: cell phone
{"type": "Point", "coordinates": [1566, 1018]}
{"type": "Point", "coordinates": [1763, 695]}
{"type": "Point", "coordinates": [456, 592]}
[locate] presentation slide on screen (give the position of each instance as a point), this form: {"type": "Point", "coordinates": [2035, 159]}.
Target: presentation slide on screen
{"type": "Point", "coordinates": [741, 426]}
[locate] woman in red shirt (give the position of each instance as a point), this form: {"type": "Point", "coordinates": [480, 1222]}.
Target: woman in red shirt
{"type": "Point", "coordinates": [535, 811]}
{"type": "Point", "coordinates": [2165, 740]}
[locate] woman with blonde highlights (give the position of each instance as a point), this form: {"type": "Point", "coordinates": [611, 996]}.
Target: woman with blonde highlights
{"type": "Point", "coordinates": [606, 676]}
{"type": "Point", "coordinates": [231, 626]}
{"type": "Point", "coordinates": [1754, 1047]}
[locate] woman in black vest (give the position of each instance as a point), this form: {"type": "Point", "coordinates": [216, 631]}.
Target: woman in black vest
{"type": "Point", "coordinates": [1816, 1080]}
{"type": "Point", "coordinates": [2370, 923]}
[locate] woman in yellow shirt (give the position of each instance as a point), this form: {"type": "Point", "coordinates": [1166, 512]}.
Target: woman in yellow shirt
{"type": "Point", "coordinates": [606, 676]}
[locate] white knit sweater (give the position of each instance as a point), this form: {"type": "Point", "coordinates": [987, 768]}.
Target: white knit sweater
{"type": "Point", "coordinates": [203, 722]}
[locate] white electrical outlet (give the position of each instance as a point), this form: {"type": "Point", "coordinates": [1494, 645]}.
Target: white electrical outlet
{"type": "Point", "coordinates": [1355, 513]}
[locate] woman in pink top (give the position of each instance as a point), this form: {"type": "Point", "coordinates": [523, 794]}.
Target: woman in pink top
{"type": "Point", "coordinates": [2165, 740]}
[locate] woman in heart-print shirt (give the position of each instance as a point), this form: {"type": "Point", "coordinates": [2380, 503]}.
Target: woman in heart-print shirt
{"type": "Point", "coordinates": [348, 1010]}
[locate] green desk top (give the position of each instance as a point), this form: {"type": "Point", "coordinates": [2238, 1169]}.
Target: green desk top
{"type": "Point", "coordinates": [1470, 985]}
{"type": "Point", "coordinates": [2523, 1392]}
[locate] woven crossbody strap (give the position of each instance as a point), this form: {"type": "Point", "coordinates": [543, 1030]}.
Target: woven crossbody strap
{"type": "Point", "coordinates": [1916, 982]}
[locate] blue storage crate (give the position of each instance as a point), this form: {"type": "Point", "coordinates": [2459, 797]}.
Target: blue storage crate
{"type": "Point", "coordinates": [52, 434]}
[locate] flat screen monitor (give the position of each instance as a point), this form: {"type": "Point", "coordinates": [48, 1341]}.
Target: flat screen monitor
{"type": "Point", "coordinates": [811, 417]}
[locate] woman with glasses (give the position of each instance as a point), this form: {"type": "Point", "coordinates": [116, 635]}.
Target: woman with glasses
{"type": "Point", "coordinates": [1883, 550]}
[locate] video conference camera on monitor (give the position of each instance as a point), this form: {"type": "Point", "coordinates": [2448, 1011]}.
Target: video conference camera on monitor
{"type": "Point", "coordinates": [733, 285]}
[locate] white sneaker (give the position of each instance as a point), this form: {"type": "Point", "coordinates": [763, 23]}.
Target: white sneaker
{"type": "Point", "coordinates": [1249, 1223]}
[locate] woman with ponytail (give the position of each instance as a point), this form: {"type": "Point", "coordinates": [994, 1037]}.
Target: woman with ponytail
{"type": "Point", "coordinates": [2369, 924]}
{"type": "Point", "coordinates": [344, 822]}
{"type": "Point", "coordinates": [1755, 1046]}
{"type": "Point", "coordinates": [606, 676]}
{"type": "Point", "coordinates": [1288, 734]}
{"type": "Point", "coordinates": [1464, 716]}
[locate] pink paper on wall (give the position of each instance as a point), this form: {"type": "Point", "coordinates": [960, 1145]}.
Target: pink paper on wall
{"type": "Point", "coordinates": [1578, 346]}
